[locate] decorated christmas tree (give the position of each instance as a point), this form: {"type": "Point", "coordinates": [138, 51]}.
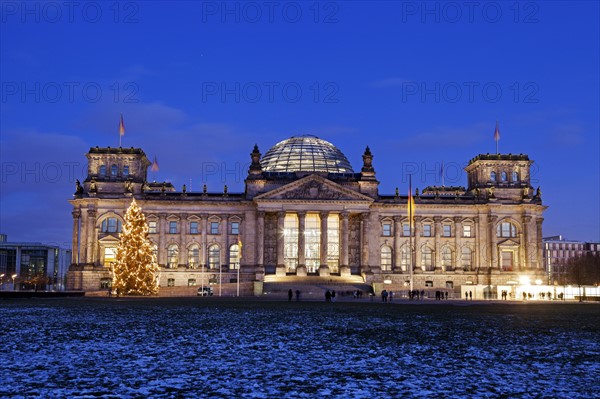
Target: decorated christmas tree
{"type": "Point", "coordinates": [135, 271]}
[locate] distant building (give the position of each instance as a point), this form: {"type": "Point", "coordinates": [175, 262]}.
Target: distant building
{"type": "Point", "coordinates": [558, 251]}
{"type": "Point", "coordinates": [306, 212]}
{"type": "Point", "coordinates": [23, 265]}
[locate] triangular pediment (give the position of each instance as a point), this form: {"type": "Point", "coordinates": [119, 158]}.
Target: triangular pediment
{"type": "Point", "coordinates": [313, 188]}
{"type": "Point", "coordinates": [508, 243]}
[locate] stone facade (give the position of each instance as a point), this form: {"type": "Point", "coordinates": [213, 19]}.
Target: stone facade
{"type": "Point", "coordinates": [314, 223]}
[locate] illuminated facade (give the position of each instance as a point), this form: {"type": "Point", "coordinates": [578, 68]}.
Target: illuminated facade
{"type": "Point", "coordinates": [305, 212]}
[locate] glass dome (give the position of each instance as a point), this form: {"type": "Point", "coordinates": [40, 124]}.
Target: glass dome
{"type": "Point", "coordinates": [305, 154]}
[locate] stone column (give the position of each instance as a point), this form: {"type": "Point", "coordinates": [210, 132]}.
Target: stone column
{"type": "Point", "coordinates": [524, 261]}
{"type": "Point", "coordinates": [457, 242]}
{"type": "Point", "coordinates": [301, 270]}
{"type": "Point", "coordinates": [538, 241]}
{"type": "Point", "coordinates": [91, 222]}
{"type": "Point", "coordinates": [476, 258]}
{"type": "Point", "coordinates": [397, 259]}
{"type": "Point", "coordinates": [344, 268]}
{"type": "Point", "coordinates": [364, 242]}
{"type": "Point", "coordinates": [437, 261]}
{"type": "Point", "coordinates": [203, 239]}
{"type": "Point", "coordinates": [260, 241]}
{"type": "Point", "coordinates": [162, 251]}
{"type": "Point", "coordinates": [417, 242]}
{"type": "Point", "coordinates": [324, 268]}
{"type": "Point", "coordinates": [183, 226]}
{"type": "Point", "coordinates": [280, 270]}
{"type": "Point", "coordinates": [493, 252]}
{"type": "Point", "coordinates": [225, 242]}
{"type": "Point", "coordinates": [75, 243]}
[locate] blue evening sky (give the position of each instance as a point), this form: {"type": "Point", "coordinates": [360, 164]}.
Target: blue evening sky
{"type": "Point", "coordinates": [199, 83]}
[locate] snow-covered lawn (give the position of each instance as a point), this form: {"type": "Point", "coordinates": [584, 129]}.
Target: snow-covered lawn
{"type": "Point", "coordinates": [223, 348]}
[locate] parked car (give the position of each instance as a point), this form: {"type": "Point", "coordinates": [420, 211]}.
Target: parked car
{"type": "Point", "coordinates": [205, 291]}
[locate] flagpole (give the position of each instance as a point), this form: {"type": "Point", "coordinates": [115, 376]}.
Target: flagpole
{"type": "Point", "coordinates": [410, 230]}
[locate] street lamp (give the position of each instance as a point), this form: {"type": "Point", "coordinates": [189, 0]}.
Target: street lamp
{"type": "Point", "coordinates": [1, 283]}
{"type": "Point", "coordinates": [14, 276]}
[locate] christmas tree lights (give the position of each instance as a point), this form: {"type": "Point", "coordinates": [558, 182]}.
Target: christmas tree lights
{"type": "Point", "coordinates": [135, 271]}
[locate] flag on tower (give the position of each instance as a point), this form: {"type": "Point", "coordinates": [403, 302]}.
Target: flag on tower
{"type": "Point", "coordinates": [121, 127]}
{"type": "Point", "coordinates": [411, 202]}
{"type": "Point", "coordinates": [154, 167]}
{"type": "Point", "coordinates": [497, 136]}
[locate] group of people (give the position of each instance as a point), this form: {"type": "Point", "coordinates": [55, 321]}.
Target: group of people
{"type": "Point", "coordinates": [385, 294]}
{"type": "Point", "coordinates": [439, 295]}
{"type": "Point", "coordinates": [330, 296]}
{"type": "Point", "coordinates": [416, 294]}
{"type": "Point", "coordinates": [291, 295]}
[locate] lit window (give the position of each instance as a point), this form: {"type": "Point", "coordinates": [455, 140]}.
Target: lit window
{"type": "Point", "coordinates": [193, 227]}
{"type": "Point", "coordinates": [102, 170]}
{"type": "Point", "coordinates": [290, 242]}
{"type": "Point", "coordinates": [447, 230]}
{"type": "Point", "coordinates": [426, 258]}
{"type": "Point", "coordinates": [172, 256]}
{"type": "Point", "coordinates": [191, 282]}
{"type": "Point", "coordinates": [172, 227]}
{"type": "Point", "coordinates": [193, 256]}
{"type": "Point", "coordinates": [466, 231]}
{"type": "Point", "coordinates": [405, 260]}
{"type": "Point", "coordinates": [114, 170]}
{"type": "Point", "coordinates": [214, 227]}
{"type": "Point", "coordinates": [506, 229]}
{"type": "Point", "coordinates": [428, 283]}
{"type": "Point", "coordinates": [126, 170]}
{"type": "Point", "coordinates": [234, 257]}
{"type": "Point", "coordinates": [449, 284]}
{"type": "Point", "coordinates": [235, 228]}
{"type": "Point", "coordinates": [152, 226]}
{"type": "Point", "coordinates": [386, 258]}
{"type": "Point", "coordinates": [110, 255]}
{"type": "Point", "coordinates": [214, 256]}
{"type": "Point", "coordinates": [387, 229]}
{"type": "Point", "coordinates": [447, 258]}
{"type": "Point", "coordinates": [426, 230]}
{"type": "Point", "coordinates": [465, 258]}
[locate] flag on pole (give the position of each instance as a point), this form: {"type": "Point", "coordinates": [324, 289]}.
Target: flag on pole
{"type": "Point", "coordinates": [497, 136]}
{"type": "Point", "coordinates": [154, 167]}
{"type": "Point", "coordinates": [240, 248]}
{"type": "Point", "coordinates": [121, 127]}
{"type": "Point", "coordinates": [411, 202]}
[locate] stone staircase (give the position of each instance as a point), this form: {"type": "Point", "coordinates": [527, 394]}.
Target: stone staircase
{"type": "Point", "coordinates": [314, 287]}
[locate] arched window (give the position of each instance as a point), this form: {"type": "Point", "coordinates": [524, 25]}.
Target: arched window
{"type": "Point", "coordinates": [234, 257]}
{"type": "Point", "coordinates": [493, 176]}
{"type": "Point", "coordinates": [214, 256]}
{"type": "Point", "coordinates": [515, 177]}
{"type": "Point", "coordinates": [172, 256]}
{"type": "Point", "coordinates": [465, 258]}
{"type": "Point", "coordinates": [102, 172]}
{"type": "Point", "coordinates": [111, 225]}
{"type": "Point", "coordinates": [126, 170]}
{"type": "Point", "coordinates": [506, 230]}
{"type": "Point", "coordinates": [426, 258]}
{"type": "Point", "coordinates": [503, 176]}
{"type": "Point", "coordinates": [194, 256]}
{"type": "Point", "coordinates": [447, 258]}
{"type": "Point", "coordinates": [114, 170]}
{"type": "Point", "coordinates": [386, 258]}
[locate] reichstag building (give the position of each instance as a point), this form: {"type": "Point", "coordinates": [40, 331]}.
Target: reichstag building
{"type": "Point", "coordinates": [307, 213]}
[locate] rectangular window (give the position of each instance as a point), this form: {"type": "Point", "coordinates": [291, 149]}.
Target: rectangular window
{"type": "Point", "coordinates": [214, 227]}
{"type": "Point", "coordinates": [406, 229]}
{"type": "Point", "coordinates": [428, 283]}
{"type": "Point", "coordinates": [110, 255]}
{"type": "Point", "coordinates": [507, 260]}
{"type": "Point", "coordinates": [235, 228]}
{"type": "Point", "coordinates": [466, 231]}
{"type": "Point", "coordinates": [171, 282]}
{"type": "Point", "coordinates": [449, 284]}
{"type": "Point", "coordinates": [172, 227]}
{"type": "Point", "coordinates": [426, 230]}
{"type": "Point", "coordinates": [447, 230]}
{"type": "Point", "coordinates": [387, 229]}
{"type": "Point", "coordinates": [193, 227]}
{"type": "Point", "coordinates": [191, 282]}
{"type": "Point", "coordinates": [151, 227]}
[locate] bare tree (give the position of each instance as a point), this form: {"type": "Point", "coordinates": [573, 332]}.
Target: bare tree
{"type": "Point", "coordinates": [583, 270]}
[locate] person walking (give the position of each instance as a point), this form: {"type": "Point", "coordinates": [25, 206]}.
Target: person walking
{"type": "Point", "coordinates": [290, 295]}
